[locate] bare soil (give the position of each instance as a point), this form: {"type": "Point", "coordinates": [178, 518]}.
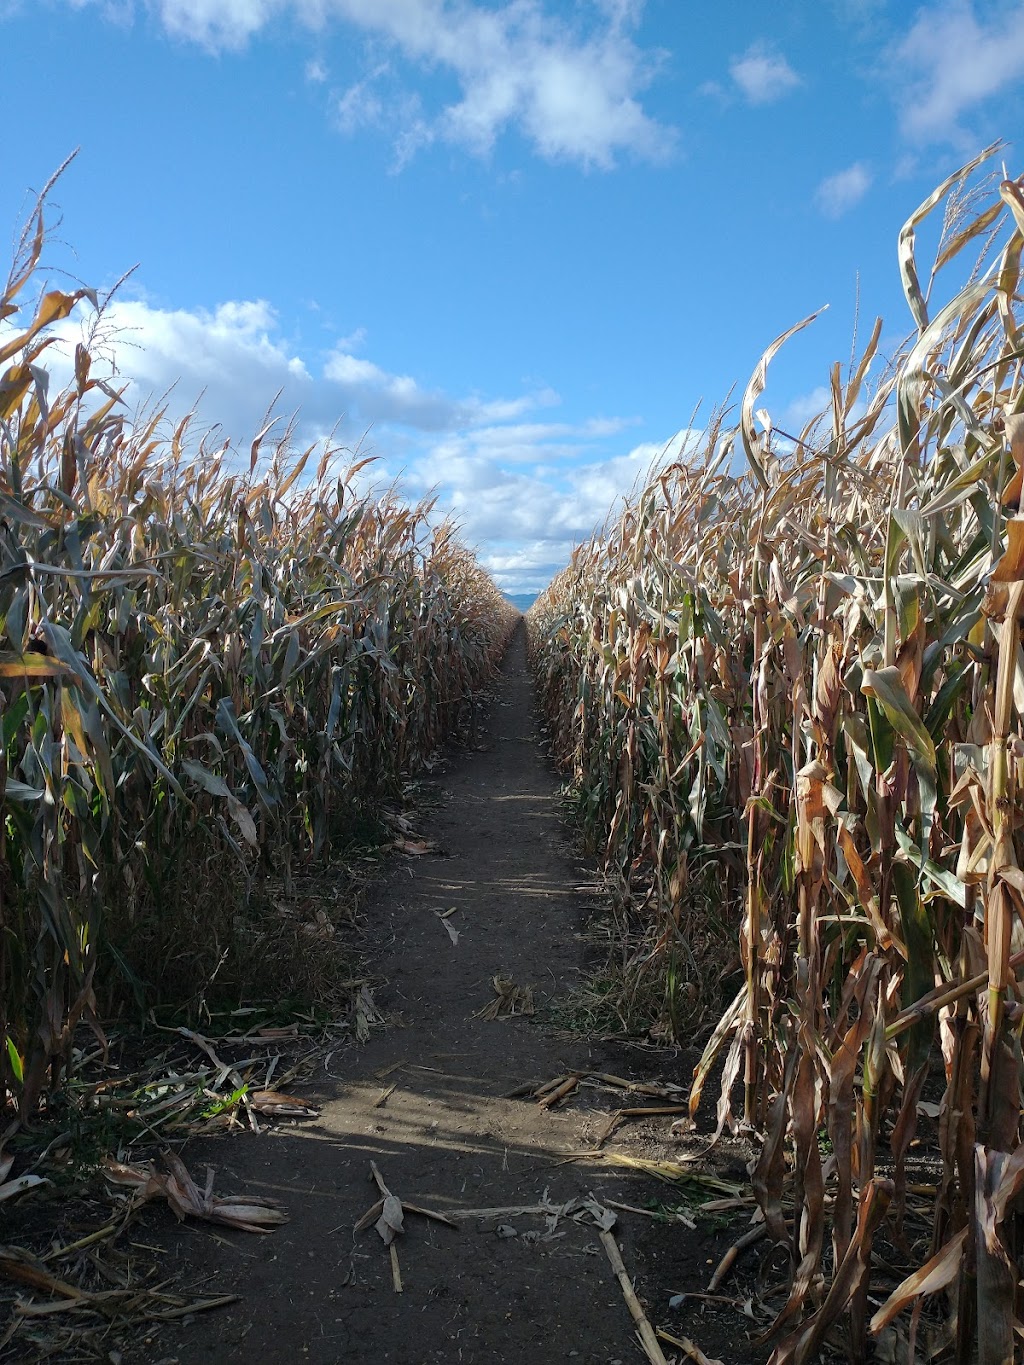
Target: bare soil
{"type": "Point", "coordinates": [447, 1136]}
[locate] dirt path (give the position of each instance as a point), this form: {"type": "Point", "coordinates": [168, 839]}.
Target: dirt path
{"type": "Point", "coordinates": [445, 1137]}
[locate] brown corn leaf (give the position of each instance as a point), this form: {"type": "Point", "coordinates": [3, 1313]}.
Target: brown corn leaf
{"type": "Point", "coordinates": [801, 1346]}
{"type": "Point", "coordinates": [934, 1275]}
{"type": "Point", "coordinates": [414, 847]}
{"type": "Point", "coordinates": [246, 1212]}
{"type": "Point", "coordinates": [278, 1105]}
{"type": "Point", "coordinates": [453, 933]}
{"type": "Point", "coordinates": [21, 1266]}
{"type": "Point", "coordinates": [688, 1348]}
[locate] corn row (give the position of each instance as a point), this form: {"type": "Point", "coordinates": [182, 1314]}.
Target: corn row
{"type": "Point", "coordinates": [210, 671]}
{"type": "Point", "coordinates": [796, 658]}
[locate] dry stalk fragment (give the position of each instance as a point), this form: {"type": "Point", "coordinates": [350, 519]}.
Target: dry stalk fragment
{"type": "Point", "coordinates": [617, 1116]}
{"type": "Point", "coordinates": [691, 1351]}
{"type": "Point", "coordinates": [560, 1092]}
{"type": "Point", "coordinates": [750, 1238]}
{"type": "Point", "coordinates": [648, 1337]}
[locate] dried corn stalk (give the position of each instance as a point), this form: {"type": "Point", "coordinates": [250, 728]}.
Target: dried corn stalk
{"type": "Point", "coordinates": [809, 676]}
{"type": "Point", "coordinates": [207, 671]}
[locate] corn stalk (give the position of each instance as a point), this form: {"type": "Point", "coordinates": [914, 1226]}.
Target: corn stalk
{"type": "Point", "coordinates": [822, 652]}
{"type": "Point", "coordinates": [209, 673]}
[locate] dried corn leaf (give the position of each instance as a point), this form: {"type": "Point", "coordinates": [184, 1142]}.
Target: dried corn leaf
{"type": "Point", "coordinates": [415, 848]}
{"type": "Point", "coordinates": [278, 1105]}
{"type": "Point", "coordinates": [22, 1267]}
{"type": "Point", "coordinates": [453, 933]}
{"type": "Point", "coordinates": [511, 1000]}
{"type": "Point", "coordinates": [691, 1351]}
{"type": "Point", "coordinates": [245, 1212]}
{"type": "Point", "coordinates": [935, 1274]}
{"type": "Point", "coordinates": [19, 1186]}
{"type": "Point", "coordinates": [391, 1222]}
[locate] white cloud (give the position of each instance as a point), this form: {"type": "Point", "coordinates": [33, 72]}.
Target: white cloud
{"type": "Point", "coordinates": [763, 74]}
{"type": "Point", "coordinates": [572, 88]}
{"type": "Point", "coordinates": [600, 486]}
{"type": "Point", "coordinates": [839, 193]}
{"type": "Point", "coordinates": [120, 12]}
{"type": "Point", "coordinates": [545, 445]}
{"type": "Point", "coordinates": [950, 61]}
{"type": "Point", "coordinates": [353, 341]}
{"type": "Point", "coordinates": [236, 357]}
{"type": "Point", "coordinates": [215, 24]}
{"type": "Point", "coordinates": [380, 396]}
{"type": "Point", "coordinates": [316, 72]}
{"type": "Point", "coordinates": [234, 353]}
{"type": "Point", "coordinates": [361, 106]}
{"type": "Point", "coordinates": [864, 18]}
{"type": "Point", "coordinates": [527, 518]}
{"type": "Point", "coordinates": [804, 408]}
{"type": "Point", "coordinates": [713, 90]}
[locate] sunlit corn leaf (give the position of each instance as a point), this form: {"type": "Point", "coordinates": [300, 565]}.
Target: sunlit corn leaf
{"type": "Point", "coordinates": [278, 1105]}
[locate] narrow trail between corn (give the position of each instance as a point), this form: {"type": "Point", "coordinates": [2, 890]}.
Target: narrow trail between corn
{"type": "Point", "coordinates": [445, 1137]}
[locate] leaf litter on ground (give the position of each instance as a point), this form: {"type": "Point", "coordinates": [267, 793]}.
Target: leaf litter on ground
{"type": "Point", "coordinates": [453, 933]}
{"type": "Point", "coordinates": [249, 1213]}
{"type": "Point", "coordinates": [603, 1080]}
{"type": "Point", "coordinates": [150, 1094]}
{"type": "Point", "coordinates": [511, 999]}
{"type": "Point", "coordinates": [415, 848]}
{"type": "Point", "coordinates": [672, 1172]}
{"type": "Point", "coordinates": [74, 1309]}
{"type": "Point", "coordinates": [387, 1216]}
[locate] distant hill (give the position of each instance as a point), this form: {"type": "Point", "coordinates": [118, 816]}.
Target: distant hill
{"type": "Point", "coordinates": [523, 600]}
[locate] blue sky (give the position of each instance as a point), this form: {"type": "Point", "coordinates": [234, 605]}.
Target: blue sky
{"type": "Point", "coordinates": [506, 247]}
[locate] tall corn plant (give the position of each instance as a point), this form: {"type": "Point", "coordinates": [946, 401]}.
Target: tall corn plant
{"type": "Point", "coordinates": [812, 672]}
{"type": "Point", "coordinates": [206, 673]}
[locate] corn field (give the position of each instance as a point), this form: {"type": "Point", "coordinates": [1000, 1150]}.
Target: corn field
{"type": "Point", "coordinates": [796, 659]}
{"type": "Point", "coordinates": [209, 674]}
